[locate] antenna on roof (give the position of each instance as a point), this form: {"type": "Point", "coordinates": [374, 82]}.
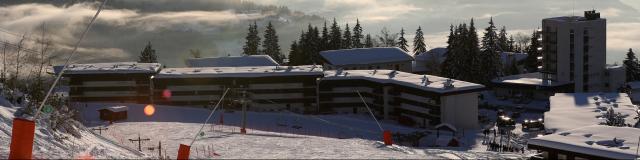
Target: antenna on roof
{"type": "Point", "coordinates": [573, 8]}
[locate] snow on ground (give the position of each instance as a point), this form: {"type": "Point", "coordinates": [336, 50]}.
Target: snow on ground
{"type": "Point", "coordinates": [269, 135]}
{"type": "Point", "coordinates": [58, 145]}
{"type": "Point", "coordinates": [572, 110]}
{"type": "Point", "coordinates": [599, 140]}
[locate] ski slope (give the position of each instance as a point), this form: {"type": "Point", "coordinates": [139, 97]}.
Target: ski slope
{"type": "Point", "coordinates": [51, 144]}
{"type": "Point", "coordinates": [269, 135]}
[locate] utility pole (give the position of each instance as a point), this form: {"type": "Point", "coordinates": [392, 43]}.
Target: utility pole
{"type": "Point", "coordinates": [100, 129]}
{"type": "Point", "coordinates": [244, 111]}
{"type": "Point", "coordinates": [139, 140]}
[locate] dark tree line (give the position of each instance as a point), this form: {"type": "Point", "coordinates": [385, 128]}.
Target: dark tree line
{"type": "Point", "coordinates": [632, 66]}
{"type": "Point", "coordinates": [270, 44]}
{"type": "Point", "coordinates": [312, 41]}
{"type": "Point", "coordinates": [474, 60]}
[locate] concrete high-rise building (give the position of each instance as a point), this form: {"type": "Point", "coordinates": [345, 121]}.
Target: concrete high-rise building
{"type": "Point", "coordinates": [574, 50]}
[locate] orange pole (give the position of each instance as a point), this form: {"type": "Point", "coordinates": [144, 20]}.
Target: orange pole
{"type": "Point", "coordinates": [388, 138]}
{"type": "Point", "coordinates": [183, 152]}
{"type": "Point", "coordinates": [22, 134]}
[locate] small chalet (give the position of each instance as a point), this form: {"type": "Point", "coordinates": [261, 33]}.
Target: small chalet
{"type": "Point", "coordinates": [115, 113]}
{"type": "Point", "coordinates": [390, 58]}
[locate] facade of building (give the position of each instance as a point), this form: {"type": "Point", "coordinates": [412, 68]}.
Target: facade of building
{"type": "Point", "coordinates": [126, 82]}
{"type": "Point", "coordinates": [391, 58]}
{"type": "Point", "coordinates": [420, 100]}
{"type": "Point", "coordinates": [574, 50]}
{"type": "Point", "coordinates": [268, 88]}
{"type": "Point", "coordinates": [528, 86]}
{"type": "Point", "coordinates": [424, 100]}
{"type": "Point", "coordinates": [233, 61]}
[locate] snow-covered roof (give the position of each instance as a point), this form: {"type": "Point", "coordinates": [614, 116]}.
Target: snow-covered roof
{"type": "Point", "coordinates": [256, 71]}
{"type": "Point", "coordinates": [233, 61]}
{"type": "Point", "coordinates": [596, 140]}
{"type": "Point", "coordinates": [365, 56]}
{"type": "Point", "coordinates": [105, 68]}
{"type": "Point", "coordinates": [423, 82]}
{"type": "Point", "coordinates": [534, 78]}
{"type": "Point", "coordinates": [440, 52]}
{"type": "Point", "coordinates": [117, 108]}
{"type": "Point", "coordinates": [572, 110]}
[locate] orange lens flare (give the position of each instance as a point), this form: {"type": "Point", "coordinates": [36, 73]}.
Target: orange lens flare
{"type": "Point", "coordinates": [149, 110]}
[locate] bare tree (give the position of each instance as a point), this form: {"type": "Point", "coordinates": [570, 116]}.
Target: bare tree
{"type": "Point", "coordinates": [45, 45]}
{"type": "Point", "coordinates": [522, 41]}
{"type": "Point", "coordinates": [4, 62]}
{"type": "Point", "coordinates": [386, 38]}
{"type": "Point", "coordinates": [19, 47]}
{"type": "Point", "coordinates": [195, 53]}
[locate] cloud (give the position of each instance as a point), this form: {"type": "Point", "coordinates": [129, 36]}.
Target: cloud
{"type": "Point", "coordinates": [119, 34]}
{"type": "Point", "coordinates": [610, 12]}
{"type": "Point", "coordinates": [622, 36]}
{"type": "Point", "coordinates": [369, 10]}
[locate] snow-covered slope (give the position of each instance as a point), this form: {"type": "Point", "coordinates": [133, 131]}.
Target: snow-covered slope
{"type": "Point", "coordinates": [57, 145]}
{"type": "Point", "coordinates": [269, 135]}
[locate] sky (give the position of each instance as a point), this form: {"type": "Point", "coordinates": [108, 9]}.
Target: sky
{"type": "Point", "coordinates": [217, 28]}
{"type": "Point", "coordinates": [435, 16]}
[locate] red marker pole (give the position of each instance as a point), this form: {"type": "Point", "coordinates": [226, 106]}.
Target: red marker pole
{"type": "Point", "coordinates": [183, 152]}
{"type": "Point", "coordinates": [22, 134]}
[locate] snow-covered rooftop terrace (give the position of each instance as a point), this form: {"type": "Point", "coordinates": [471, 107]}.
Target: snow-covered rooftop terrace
{"type": "Point", "coordinates": [572, 110]}
{"type": "Point", "coordinates": [594, 140]}
{"type": "Point", "coordinates": [365, 56]}
{"type": "Point", "coordinates": [105, 68]}
{"type": "Point", "coordinates": [232, 61]}
{"type": "Point", "coordinates": [423, 82]}
{"type": "Point", "coordinates": [534, 78]}
{"type": "Point", "coordinates": [255, 71]}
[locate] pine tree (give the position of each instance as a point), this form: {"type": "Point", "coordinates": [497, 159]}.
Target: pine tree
{"type": "Point", "coordinates": [335, 39]}
{"type": "Point", "coordinates": [252, 41]}
{"type": "Point", "coordinates": [303, 49]}
{"type": "Point", "coordinates": [357, 35]}
{"type": "Point", "coordinates": [270, 45]}
{"type": "Point", "coordinates": [313, 49]}
{"type": "Point", "coordinates": [346, 42]}
{"type": "Point", "coordinates": [418, 42]}
{"type": "Point", "coordinates": [324, 39]}
{"type": "Point", "coordinates": [402, 42]}
{"type": "Point", "coordinates": [294, 54]}
{"type": "Point", "coordinates": [472, 54]}
{"type": "Point", "coordinates": [490, 59]}
{"type": "Point", "coordinates": [632, 66]}
{"type": "Point", "coordinates": [368, 41]}
{"type": "Point", "coordinates": [447, 65]}
{"type": "Point", "coordinates": [531, 62]}
{"type": "Point", "coordinates": [512, 42]}
{"type": "Point", "coordinates": [503, 40]}
{"type": "Point", "coordinates": [148, 55]}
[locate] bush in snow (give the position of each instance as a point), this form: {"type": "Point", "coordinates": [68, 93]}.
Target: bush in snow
{"type": "Point", "coordinates": [614, 119]}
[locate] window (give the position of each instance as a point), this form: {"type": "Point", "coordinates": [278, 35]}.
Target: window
{"type": "Point", "coordinates": [586, 49]}
{"type": "Point", "coordinates": [562, 156]}
{"type": "Point", "coordinates": [397, 66]}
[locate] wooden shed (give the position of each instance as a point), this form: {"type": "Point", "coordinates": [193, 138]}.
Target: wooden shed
{"type": "Point", "coordinates": [114, 113]}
